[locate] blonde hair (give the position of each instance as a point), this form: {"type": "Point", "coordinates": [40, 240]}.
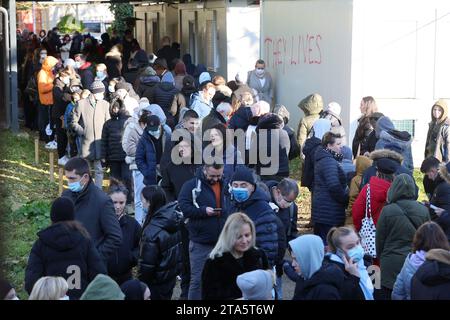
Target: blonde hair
{"type": "Point", "coordinates": [101, 67]}
{"type": "Point", "coordinates": [49, 288]}
{"type": "Point", "coordinates": [370, 106]}
{"type": "Point", "coordinates": [334, 237]}
{"type": "Point", "coordinates": [85, 93]}
{"type": "Point", "coordinates": [230, 233]}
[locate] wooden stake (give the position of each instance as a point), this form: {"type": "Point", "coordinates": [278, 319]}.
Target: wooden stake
{"type": "Point", "coordinates": [36, 150]}
{"type": "Point", "coordinates": [61, 179]}
{"type": "Point", "coordinates": [52, 169]}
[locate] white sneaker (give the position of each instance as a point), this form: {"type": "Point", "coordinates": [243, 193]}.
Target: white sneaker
{"type": "Point", "coordinates": [62, 161]}
{"type": "Point", "coordinates": [52, 145]}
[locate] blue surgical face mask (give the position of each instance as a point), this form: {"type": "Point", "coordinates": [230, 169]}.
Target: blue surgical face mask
{"type": "Point", "coordinates": [356, 253]}
{"type": "Point", "coordinates": [77, 65]}
{"type": "Point", "coordinates": [111, 89]}
{"type": "Point", "coordinates": [101, 75]}
{"type": "Point", "coordinates": [240, 194]}
{"type": "Point", "coordinates": [155, 134]}
{"type": "Point", "coordinates": [66, 81]}
{"type": "Point", "coordinates": [75, 186]}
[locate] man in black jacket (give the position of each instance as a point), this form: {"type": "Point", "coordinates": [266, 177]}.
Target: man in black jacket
{"type": "Point", "coordinates": [202, 201]}
{"type": "Point", "coordinates": [93, 208]}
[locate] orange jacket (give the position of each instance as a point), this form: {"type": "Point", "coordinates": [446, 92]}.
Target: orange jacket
{"type": "Point", "coordinates": [45, 79]}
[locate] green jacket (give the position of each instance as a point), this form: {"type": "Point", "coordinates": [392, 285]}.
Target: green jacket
{"type": "Point", "coordinates": [396, 227]}
{"type": "Point", "coordinates": [311, 106]}
{"type": "Point", "coordinates": [103, 288]}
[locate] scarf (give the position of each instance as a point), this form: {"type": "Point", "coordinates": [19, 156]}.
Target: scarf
{"type": "Point", "coordinates": [337, 156]}
{"type": "Point", "coordinates": [365, 283]}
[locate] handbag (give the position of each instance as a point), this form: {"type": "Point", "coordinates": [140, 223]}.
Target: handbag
{"type": "Point", "coordinates": [368, 229]}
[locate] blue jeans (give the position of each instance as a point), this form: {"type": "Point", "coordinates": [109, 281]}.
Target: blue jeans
{"type": "Point", "coordinates": [138, 182]}
{"type": "Point", "coordinates": [198, 254]}
{"type": "Point", "coordinates": [279, 288]}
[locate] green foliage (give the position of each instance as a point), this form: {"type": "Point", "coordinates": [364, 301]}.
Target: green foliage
{"type": "Point", "coordinates": [121, 11]}
{"type": "Point", "coordinates": [69, 24]}
{"type": "Point", "coordinates": [39, 211]}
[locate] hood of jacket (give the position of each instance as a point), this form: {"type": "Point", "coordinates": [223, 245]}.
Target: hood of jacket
{"type": "Point", "coordinates": [167, 218]}
{"type": "Point", "coordinates": [49, 63]}
{"type": "Point", "coordinates": [403, 187]}
{"type": "Point", "coordinates": [362, 163]}
{"type": "Point", "coordinates": [383, 124]}
{"type": "Point", "coordinates": [312, 104]}
{"type": "Point", "coordinates": [329, 274]}
{"type": "Point", "coordinates": [436, 270]}
{"type": "Point", "coordinates": [444, 172]}
{"type": "Point", "coordinates": [270, 121]}
{"type": "Point", "coordinates": [103, 288]}
{"type": "Point", "coordinates": [309, 252]}
{"type": "Point", "coordinates": [311, 144]}
{"type": "Point", "coordinates": [149, 80]}
{"type": "Point", "coordinates": [133, 124]}
{"type": "Point", "coordinates": [60, 237]}
{"type": "Point", "coordinates": [402, 138]}
{"type": "Point", "coordinates": [386, 153]}
{"type": "Point", "coordinates": [443, 104]}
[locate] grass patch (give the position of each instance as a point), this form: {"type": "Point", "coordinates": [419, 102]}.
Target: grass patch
{"type": "Point", "coordinates": [25, 198]}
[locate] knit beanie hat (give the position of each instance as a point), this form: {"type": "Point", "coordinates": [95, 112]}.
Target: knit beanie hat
{"type": "Point", "coordinates": [334, 107]}
{"type": "Point", "coordinates": [282, 111]}
{"type": "Point", "coordinates": [244, 174]}
{"type": "Point", "coordinates": [161, 62]}
{"type": "Point", "coordinates": [256, 285]}
{"type": "Point", "coordinates": [62, 210]}
{"type": "Point", "coordinates": [97, 87]}
{"type": "Point", "coordinates": [387, 165]}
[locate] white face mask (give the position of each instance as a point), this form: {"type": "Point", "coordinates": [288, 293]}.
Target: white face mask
{"type": "Point", "coordinates": [259, 72]}
{"type": "Point", "coordinates": [99, 96]}
{"type": "Point", "coordinates": [111, 89]}
{"type": "Point", "coordinates": [66, 297]}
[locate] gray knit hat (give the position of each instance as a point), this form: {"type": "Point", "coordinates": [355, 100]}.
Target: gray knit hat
{"type": "Point", "coordinates": [97, 87]}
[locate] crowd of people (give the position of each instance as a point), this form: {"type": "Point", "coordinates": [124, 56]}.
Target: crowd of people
{"type": "Point", "coordinates": [199, 185]}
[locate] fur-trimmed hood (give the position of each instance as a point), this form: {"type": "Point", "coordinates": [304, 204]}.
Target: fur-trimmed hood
{"type": "Point", "coordinates": [444, 171]}
{"type": "Point", "coordinates": [386, 153]}
{"type": "Point", "coordinates": [439, 255]}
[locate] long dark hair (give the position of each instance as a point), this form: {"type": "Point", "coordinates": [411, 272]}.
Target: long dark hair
{"type": "Point", "coordinates": [156, 198]}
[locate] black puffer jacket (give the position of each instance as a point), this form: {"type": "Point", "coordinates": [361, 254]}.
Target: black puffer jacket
{"type": "Point", "coordinates": [112, 135]}
{"type": "Point", "coordinates": [61, 251]}
{"type": "Point", "coordinates": [159, 251]}
{"type": "Point", "coordinates": [441, 199]}
{"type": "Point", "coordinates": [163, 95]}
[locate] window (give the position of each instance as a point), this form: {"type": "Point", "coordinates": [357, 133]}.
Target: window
{"type": "Point", "coordinates": [405, 125]}
{"type": "Point", "coordinates": [92, 27]}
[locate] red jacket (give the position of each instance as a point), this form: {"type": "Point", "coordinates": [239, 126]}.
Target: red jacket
{"type": "Point", "coordinates": [378, 195]}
